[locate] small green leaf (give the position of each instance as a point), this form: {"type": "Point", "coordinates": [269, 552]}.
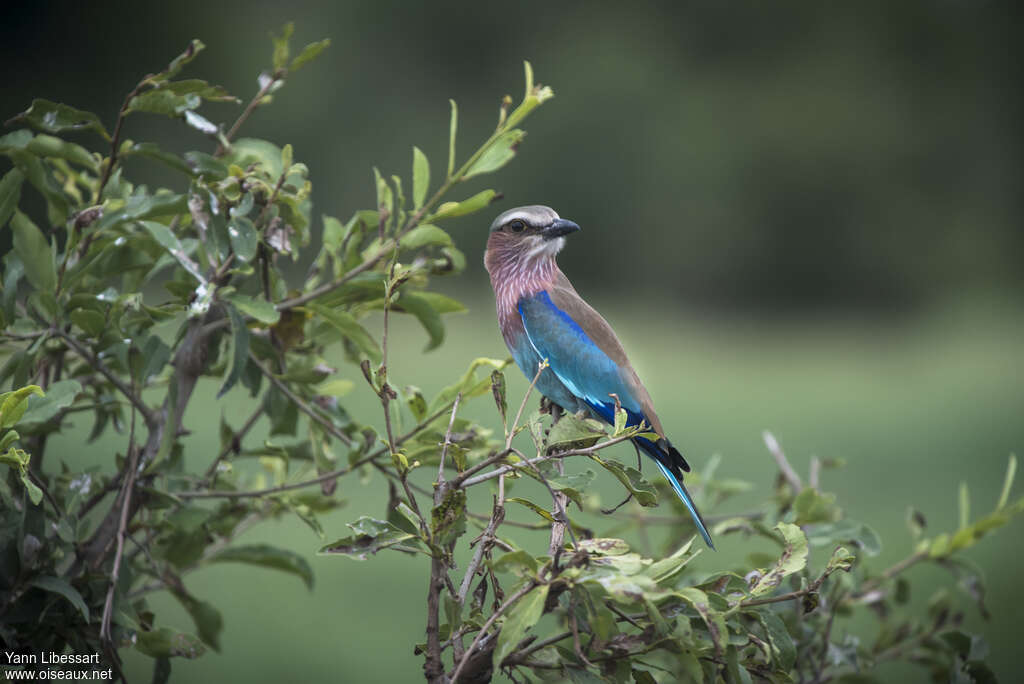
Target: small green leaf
{"type": "Point", "coordinates": [572, 432]}
{"type": "Point", "coordinates": [448, 519]}
{"type": "Point", "coordinates": [50, 146]}
{"type": "Point", "coordinates": [309, 53]}
{"type": "Point", "coordinates": [783, 648]}
{"type": "Point", "coordinates": [420, 177]}
{"type": "Point", "coordinates": [195, 46]}
{"type": "Point", "coordinates": [35, 494]}
{"type": "Point", "coordinates": [168, 643]}
{"type": "Point", "coordinates": [424, 235]}
{"type": "Point", "coordinates": [793, 559]}
{"type": "Point", "coordinates": [500, 152]}
{"type": "Point", "coordinates": [13, 404]}
{"type": "Point", "coordinates": [53, 117]}
{"type": "Point", "coordinates": [467, 206]}
{"type": "Point", "coordinates": [164, 102]}
{"type": "Point", "coordinates": [498, 391]}
{"type": "Point", "coordinates": [518, 620]}
{"type": "Point", "coordinates": [244, 238]}
{"type": "Point", "coordinates": [56, 585]}
{"type": "Point", "coordinates": [603, 546]}
{"type": "Point", "coordinates": [35, 253]}
{"type": "Point", "coordinates": [370, 536]}
{"type": "Point", "coordinates": [347, 325]}
{"type": "Point", "coordinates": [260, 309]}
{"type": "Point", "coordinates": [268, 557]}
{"type": "Point", "coordinates": [453, 128]}
{"type": "Point", "coordinates": [281, 52]}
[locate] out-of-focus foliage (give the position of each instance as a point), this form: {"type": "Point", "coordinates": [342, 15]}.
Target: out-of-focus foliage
{"type": "Point", "coordinates": [84, 333]}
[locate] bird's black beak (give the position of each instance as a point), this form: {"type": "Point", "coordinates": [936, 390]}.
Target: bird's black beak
{"type": "Point", "coordinates": [558, 228]}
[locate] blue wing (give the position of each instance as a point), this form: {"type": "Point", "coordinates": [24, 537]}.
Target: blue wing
{"type": "Point", "coordinates": [590, 375]}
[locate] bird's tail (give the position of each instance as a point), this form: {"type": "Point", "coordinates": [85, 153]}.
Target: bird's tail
{"type": "Point", "coordinates": [677, 484]}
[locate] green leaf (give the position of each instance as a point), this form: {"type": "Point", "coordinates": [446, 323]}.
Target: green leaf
{"type": "Point", "coordinates": [573, 485]}
{"type": "Point", "coordinates": [667, 568]}
{"type": "Point", "coordinates": [370, 536]}
{"type": "Point", "coordinates": [168, 643]}
{"type": "Point", "coordinates": [535, 96]}
{"type": "Point", "coordinates": [603, 546]}
{"type": "Point", "coordinates": [10, 194]}
{"type": "Point", "coordinates": [453, 127]}
{"type": "Point", "coordinates": [205, 616]}
{"type": "Point", "coordinates": [349, 327]}
{"type": "Point", "coordinates": [59, 395]}
{"type": "Point", "coordinates": [500, 152]}
{"type": "Point", "coordinates": [35, 494]}
{"type": "Point", "coordinates": [812, 506]}
{"type": "Point", "coordinates": [56, 585]}
{"type": "Point", "coordinates": [309, 53]}
{"type": "Point", "coordinates": [498, 391]}
{"type": "Point", "coordinates": [50, 146]}
{"type": "Point", "coordinates": [424, 235]}
{"type": "Point", "coordinates": [467, 206]}
{"type": "Point", "coordinates": [142, 206]}
{"type": "Point", "coordinates": [419, 307]}
{"type": "Point", "coordinates": [35, 253]}
{"type": "Point", "coordinates": [572, 432]}
{"type": "Point", "coordinates": [281, 45]}
{"type": "Point", "coordinates": [518, 620]}
{"type": "Point", "coordinates": [260, 309]}
{"type": "Point", "coordinates": [632, 479]}
{"type": "Point", "coordinates": [164, 102]}
{"type": "Point", "coordinates": [442, 304]}
{"type": "Point", "coordinates": [239, 348]}
{"type": "Point", "coordinates": [153, 151]}
{"type": "Point", "coordinates": [783, 648]}
{"type": "Point", "coordinates": [469, 384]}
{"type": "Point", "coordinates": [420, 177]}
{"type": "Point", "coordinates": [1011, 471]}
{"type": "Point", "coordinates": [793, 559]}
{"type": "Point", "coordinates": [268, 557]}
{"type": "Point", "coordinates": [448, 519]}
{"type": "Point", "coordinates": [195, 46]}
{"type": "Point", "coordinates": [519, 562]}
{"type": "Point", "coordinates": [13, 404]}
{"type": "Point", "coordinates": [169, 241]}
{"type": "Point", "coordinates": [93, 323]}
{"type": "Point", "coordinates": [53, 117]}
{"type": "Point", "coordinates": [244, 238]}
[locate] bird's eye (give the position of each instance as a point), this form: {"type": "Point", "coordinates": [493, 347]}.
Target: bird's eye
{"type": "Point", "coordinates": [517, 225]}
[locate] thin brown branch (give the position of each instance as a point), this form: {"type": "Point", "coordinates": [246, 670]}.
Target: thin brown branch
{"type": "Point", "coordinates": [88, 357]}
{"type": "Point", "coordinates": [520, 656]}
{"type": "Point", "coordinates": [523, 591]}
{"type": "Point", "coordinates": [247, 112]}
{"type": "Point", "coordinates": [234, 444]}
{"type": "Point", "coordinates": [300, 403]}
{"type": "Point", "coordinates": [126, 497]}
{"type": "Point", "coordinates": [340, 472]}
{"type": "Point", "coordinates": [486, 540]}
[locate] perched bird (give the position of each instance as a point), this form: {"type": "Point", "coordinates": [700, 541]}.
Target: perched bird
{"type": "Point", "coordinates": [543, 317]}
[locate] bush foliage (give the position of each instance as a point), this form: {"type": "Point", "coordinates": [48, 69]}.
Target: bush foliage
{"type": "Point", "coordinates": [117, 298]}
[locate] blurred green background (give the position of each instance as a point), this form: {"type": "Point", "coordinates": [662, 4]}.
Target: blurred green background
{"type": "Point", "coordinates": [799, 217]}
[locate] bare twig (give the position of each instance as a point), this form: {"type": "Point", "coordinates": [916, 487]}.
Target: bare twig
{"type": "Point", "coordinates": [247, 112]}
{"type": "Point", "coordinates": [780, 459]}
{"type": "Point", "coordinates": [486, 539]}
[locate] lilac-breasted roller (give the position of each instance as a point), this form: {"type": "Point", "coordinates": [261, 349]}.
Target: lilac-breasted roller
{"type": "Point", "coordinates": [543, 317]}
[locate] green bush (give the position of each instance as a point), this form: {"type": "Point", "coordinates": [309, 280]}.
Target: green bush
{"type": "Point", "coordinates": [117, 298]}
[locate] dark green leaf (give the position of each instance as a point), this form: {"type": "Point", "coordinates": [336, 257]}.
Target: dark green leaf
{"type": "Point", "coordinates": [56, 585]}
{"type": "Point", "coordinates": [164, 102]}
{"type": "Point", "coordinates": [10, 194]}
{"type": "Point", "coordinates": [632, 479]}
{"type": "Point", "coordinates": [239, 347]}
{"type": "Point", "coordinates": [783, 648]}
{"type": "Point", "coordinates": [53, 117]}
{"type": "Point", "coordinates": [572, 432]}
{"type": "Point", "coordinates": [35, 253]}
{"type": "Point", "coordinates": [268, 557]}
{"type": "Point", "coordinates": [448, 519]}
{"type": "Point", "coordinates": [413, 303]}
{"type": "Point", "coordinates": [347, 325]}
{"type": "Point", "coordinates": [50, 146]}
{"type": "Point", "coordinates": [93, 323]}
{"type": "Point", "coordinates": [205, 616]}
{"type": "Point", "coordinates": [281, 45]}
{"type": "Point", "coordinates": [169, 241]}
